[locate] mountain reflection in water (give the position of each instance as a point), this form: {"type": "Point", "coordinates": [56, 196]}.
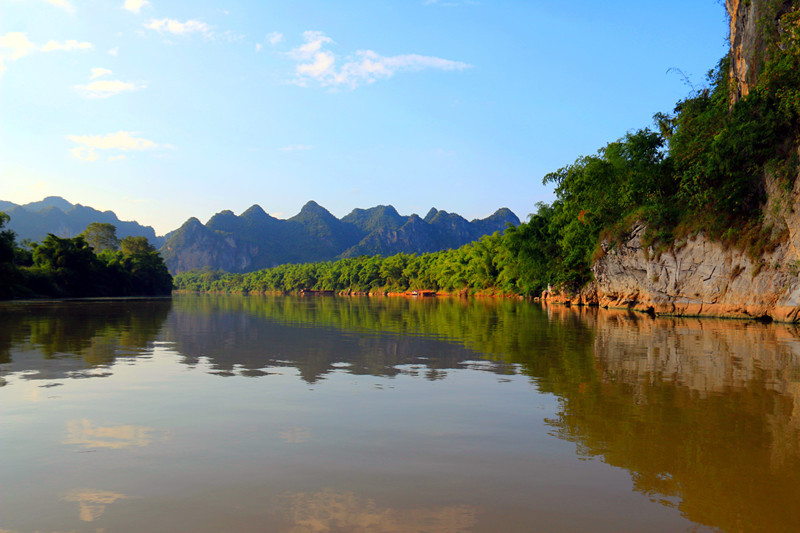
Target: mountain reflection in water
{"type": "Point", "coordinates": [702, 414]}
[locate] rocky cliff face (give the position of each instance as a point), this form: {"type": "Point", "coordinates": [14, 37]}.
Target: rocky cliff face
{"type": "Point", "coordinates": [701, 276]}
{"type": "Point", "coordinates": [749, 20]}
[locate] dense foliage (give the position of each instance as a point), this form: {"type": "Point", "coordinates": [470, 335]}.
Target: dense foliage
{"type": "Point", "coordinates": [72, 267]}
{"type": "Point", "coordinates": [473, 267]}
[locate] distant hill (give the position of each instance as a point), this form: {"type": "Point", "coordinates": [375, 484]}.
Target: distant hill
{"type": "Point", "coordinates": [58, 216]}
{"type": "Point", "coordinates": [255, 240]}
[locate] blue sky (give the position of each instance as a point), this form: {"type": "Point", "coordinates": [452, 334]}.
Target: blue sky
{"type": "Point", "coordinates": [162, 110]}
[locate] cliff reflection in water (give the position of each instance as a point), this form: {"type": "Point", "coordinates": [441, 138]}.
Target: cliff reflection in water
{"type": "Point", "coordinates": [703, 413]}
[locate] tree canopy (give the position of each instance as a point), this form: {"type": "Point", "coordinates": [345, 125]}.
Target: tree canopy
{"type": "Point", "coordinates": [91, 264]}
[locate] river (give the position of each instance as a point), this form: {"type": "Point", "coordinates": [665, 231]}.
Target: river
{"type": "Point", "coordinates": [325, 414]}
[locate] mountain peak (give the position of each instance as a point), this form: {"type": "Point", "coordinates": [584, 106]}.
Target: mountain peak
{"type": "Point", "coordinates": [51, 201]}
{"type": "Point", "coordinates": [504, 214]}
{"type": "Point", "coordinates": [254, 211]}
{"type": "Point", "coordinates": [311, 205]}
{"type": "Point", "coordinates": [313, 209]}
{"type": "Point", "coordinates": [381, 216]}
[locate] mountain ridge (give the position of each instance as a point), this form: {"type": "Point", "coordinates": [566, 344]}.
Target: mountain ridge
{"type": "Point", "coordinates": [254, 240]}
{"type": "Point", "coordinates": [62, 218]}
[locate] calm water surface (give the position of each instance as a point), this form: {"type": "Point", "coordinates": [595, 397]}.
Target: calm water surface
{"type": "Point", "coordinates": [323, 414]}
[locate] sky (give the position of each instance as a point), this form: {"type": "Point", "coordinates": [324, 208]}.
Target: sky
{"type": "Point", "coordinates": [163, 110]}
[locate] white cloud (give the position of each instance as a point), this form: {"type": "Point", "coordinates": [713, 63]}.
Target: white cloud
{"type": "Point", "coordinates": [106, 88]}
{"type": "Point", "coordinates": [121, 141]}
{"type": "Point", "coordinates": [321, 68]}
{"type": "Point", "coordinates": [259, 46]}
{"type": "Point", "coordinates": [296, 148]}
{"type": "Point", "coordinates": [63, 4]}
{"type": "Point", "coordinates": [319, 65]}
{"type": "Point", "coordinates": [176, 27]}
{"type": "Point", "coordinates": [134, 6]}
{"type": "Point", "coordinates": [114, 51]}
{"type": "Point", "coordinates": [98, 72]}
{"type": "Point", "coordinates": [315, 40]}
{"type": "Point", "coordinates": [14, 45]}
{"type": "Point", "coordinates": [66, 45]}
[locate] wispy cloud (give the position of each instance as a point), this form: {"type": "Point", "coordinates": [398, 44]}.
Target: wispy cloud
{"type": "Point", "coordinates": [66, 46]}
{"type": "Point", "coordinates": [63, 4]}
{"type": "Point", "coordinates": [14, 45]}
{"type": "Point", "coordinates": [106, 88]}
{"type": "Point", "coordinates": [114, 51]}
{"type": "Point", "coordinates": [176, 27]}
{"type": "Point", "coordinates": [134, 6]}
{"type": "Point", "coordinates": [121, 141]}
{"type": "Point", "coordinates": [318, 65]}
{"type": "Point", "coordinates": [99, 72]}
{"type": "Point", "coordinates": [296, 148]}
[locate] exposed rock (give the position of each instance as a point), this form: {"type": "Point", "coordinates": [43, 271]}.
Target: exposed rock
{"type": "Point", "coordinates": [750, 20]}
{"type": "Point", "coordinates": [700, 278]}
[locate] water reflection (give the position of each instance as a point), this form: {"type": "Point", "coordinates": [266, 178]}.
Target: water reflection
{"type": "Point", "coordinates": [704, 415]}
{"type": "Point", "coordinates": [690, 407]}
{"type": "Point", "coordinates": [75, 337]}
{"type": "Point", "coordinates": [92, 502]}
{"type": "Point", "coordinates": [329, 510]}
{"type": "Point", "coordinates": [244, 335]}
{"type": "Point", "coordinates": [86, 434]}
{"type": "Point", "coordinates": [694, 408]}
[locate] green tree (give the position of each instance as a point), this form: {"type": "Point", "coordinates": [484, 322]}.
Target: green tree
{"type": "Point", "coordinates": [136, 245]}
{"type": "Point", "coordinates": [72, 265]}
{"type": "Point", "coordinates": [7, 238]}
{"type": "Point", "coordinates": [101, 236]}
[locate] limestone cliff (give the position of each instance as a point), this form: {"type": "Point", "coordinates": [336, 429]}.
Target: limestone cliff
{"type": "Point", "coordinates": [701, 276]}
{"type": "Point", "coordinates": [751, 22]}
